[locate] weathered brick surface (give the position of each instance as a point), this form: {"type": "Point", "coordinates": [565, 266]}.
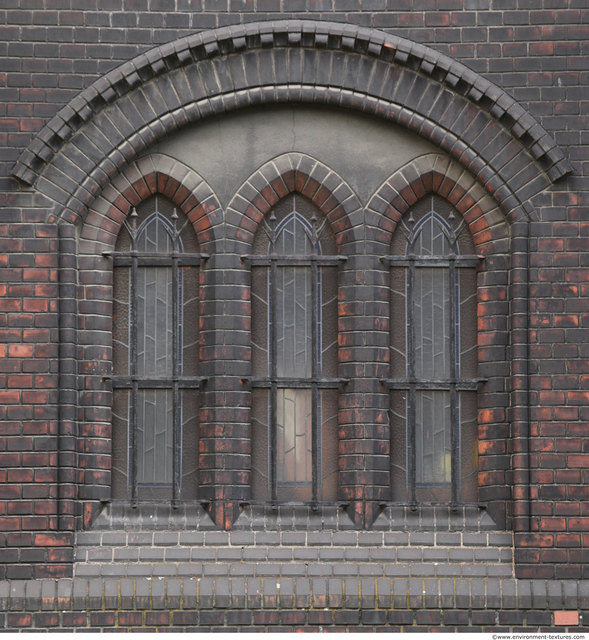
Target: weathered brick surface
{"type": "Point", "coordinates": [534, 285]}
{"type": "Point", "coordinates": [201, 604]}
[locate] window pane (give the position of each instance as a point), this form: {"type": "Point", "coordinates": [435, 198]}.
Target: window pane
{"type": "Point", "coordinates": [154, 436]}
{"type": "Point", "coordinates": [154, 321]}
{"type": "Point", "coordinates": [153, 236]}
{"type": "Point", "coordinates": [260, 444]}
{"type": "Point", "coordinates": [432, 323]}
{"type": "Point", "coordinates": [431, 240]}
{"type": "Point", "coordinates": [293, 323]}
{"type": "Point", "coordinates": [469, 443]}
{"type": "Point", "coordinates": [433, 458]}
{"type": "Point", "coordinates": [292, 237]}
{"type": "Point", "coordinates": [120, 443]}
{"type": "Point", "coordinates": [189, 321]}
{"type": "Point", "coordinates": [294, 443]}
{"type": "Point", "coordinates": [329, 322]}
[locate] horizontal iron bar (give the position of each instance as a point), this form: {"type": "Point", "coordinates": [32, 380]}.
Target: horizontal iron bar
{"type": "Point", "coordinates": [289, 505]}
{"type": "Point", "coordinates": [149, 254]}
{"type": "Point", "coordinates": [298, 383]}
{"type": "Point", "coordinates": [432, 261]}
{"type": "Point", "coordinates": [184, 382]}
{"type": "Point", "coordinates": [461, 384]}
{"type": "Point", "coordinates": [293, 261]}
{"type": "Point", "coordinates": [155, 261]}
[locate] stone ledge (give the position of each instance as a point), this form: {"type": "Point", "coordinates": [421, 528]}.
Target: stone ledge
{"type": "Point", "coordinates": [121, 516]}
{"type": "Point", "coordinates": [300, 593]}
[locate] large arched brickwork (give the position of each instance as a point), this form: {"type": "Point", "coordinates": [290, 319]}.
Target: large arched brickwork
{"type": "Point", "coordinates": [123, 113]}
{"type": "Point", "coordinates": [487, 135]}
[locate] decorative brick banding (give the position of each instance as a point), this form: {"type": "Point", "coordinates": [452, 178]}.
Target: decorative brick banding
{"type": "Point", "coordinates": [182, 82]}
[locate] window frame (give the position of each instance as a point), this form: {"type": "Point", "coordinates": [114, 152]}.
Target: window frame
{"type": "Point", "coordinates": [453, 383]}
{"type": "Point", "coordinates": [135, 259]}
{"type": "Point", "coordinates": [273, 261]}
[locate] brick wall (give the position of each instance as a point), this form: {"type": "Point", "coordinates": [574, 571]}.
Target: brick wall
{"type": "Point", "coordinates": [52, 456]}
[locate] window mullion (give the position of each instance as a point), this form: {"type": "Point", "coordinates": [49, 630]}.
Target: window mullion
{"type": "Point", "coordinates": [314, 373]}
{"type": "Point", "coordinates": [176, 435]}
{"type": "Point", "coordinates": [134, 368]}
{"type": "Point", "coordinates": [453, 377]}
{"type": "Point", "coordinates": [273, 373]}
{"type": "Point", "coordinates": [412, 385]}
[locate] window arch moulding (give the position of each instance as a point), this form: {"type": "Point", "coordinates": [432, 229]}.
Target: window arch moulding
{"type": "Point", "coordinates": [112, 122]}
{"type": "Point", "coordinates": [295, 174]}
{"type": "Point", "coordinates": [156, 175]}
{"type": "Point", "coordinates": [499, 310]}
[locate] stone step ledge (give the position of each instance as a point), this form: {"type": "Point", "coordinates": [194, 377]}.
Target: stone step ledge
{"type": "Point", "coordinates": [291, 593]}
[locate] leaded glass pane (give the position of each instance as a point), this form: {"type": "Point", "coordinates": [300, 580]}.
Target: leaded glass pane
{"type": "Point", "coordinates": [293, 331]}
{"type": "Point", "coordinates": [329, 445]}
{"type": "Point", "coordinates": [433, 437]}
{"type": "Point", "coordinates": [293, 237]}
{"type": "Point", "coordinates": [468, 446]}
{"type": "Point", "coordinates": [431, 316]}
{"type": "Point", "coordinates": [431, 239]}
{"type": "Point", "coordinates": [260, 444]}
{"type": "Point", "coordinates": [154, 236]}
{"type": "Point", "coordinates": [399, 452]}
{"type": "Point", "coordinates": [154, 436]}
{"type": "Point", "coordinates": [294, 442]}
{"type": "Point", "coordinates": [154, 321]}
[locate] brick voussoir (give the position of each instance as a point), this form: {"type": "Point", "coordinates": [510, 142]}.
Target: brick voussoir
{"type": "Point", "coordinates": [165, 58]}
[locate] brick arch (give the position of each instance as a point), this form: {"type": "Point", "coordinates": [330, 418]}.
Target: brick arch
{"type": "Point", "coordinates": [502, 315]}
{"type": "Point", "coordinates": [434, 173]}
{"type": "Point", "coordinates": [155, 174]}
{"type": "Point", "coordinates": [290, 173]}
{"type": "Point", "coordinates": [123, 113]}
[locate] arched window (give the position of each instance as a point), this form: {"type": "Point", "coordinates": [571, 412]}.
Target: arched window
{"type": "Point", "coordinates": [433, 357]}
{"type": "Point", "coordinates": [155, 356]}
{"type": "Point", "coordinates": [294, 356]}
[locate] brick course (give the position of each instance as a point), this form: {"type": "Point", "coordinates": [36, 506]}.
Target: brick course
{"type": "Point", "coordinates": [509, 605]}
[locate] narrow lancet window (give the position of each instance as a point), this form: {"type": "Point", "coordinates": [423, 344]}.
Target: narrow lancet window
{"type": "Point", "coordinates": [155, 356]}
{"type": "Point", "coordinates": [294, 356]}
{"type": "Point", "coordinates": [433, 357]}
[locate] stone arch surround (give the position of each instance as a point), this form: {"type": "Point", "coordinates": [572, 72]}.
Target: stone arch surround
{"type": "Point", "coordinates": [408, 85]}
{"type": "Point", "coordinates": [182, 82]}
{"type": "Point", "coordinates": [492, 235]}
{"type": "Point", "coordinates": [155, 174]}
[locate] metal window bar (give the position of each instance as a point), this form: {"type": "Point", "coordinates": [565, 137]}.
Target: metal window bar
{"type": "Point", "coordinates": [273, 381]}
{"type": "Point", "coordinates": [454, 383]}
{"type": "Point", "coordinates": [135, 259]}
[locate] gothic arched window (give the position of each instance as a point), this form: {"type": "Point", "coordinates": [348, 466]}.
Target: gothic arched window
{"type": "Point", "coordinates": [155, 356]}
{"type": "Point", "coordinates": [294, 356]}
{"type": "Point", "coordinates": [433, 357]}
